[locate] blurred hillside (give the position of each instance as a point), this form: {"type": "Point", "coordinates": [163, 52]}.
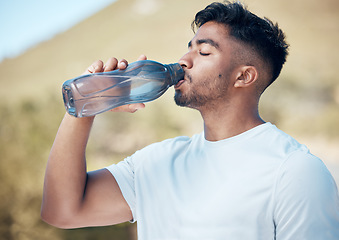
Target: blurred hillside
{"type": "Point", "coordinates": [303, 102]}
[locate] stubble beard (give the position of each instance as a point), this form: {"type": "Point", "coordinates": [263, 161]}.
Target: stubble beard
{"type": "Point", "coordinates": [203, 94]}
{"type": "Point", "coordinates": [192, 100]}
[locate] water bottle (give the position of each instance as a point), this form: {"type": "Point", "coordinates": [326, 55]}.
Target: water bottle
{"type": "Point", "coordinates": [142, 81]}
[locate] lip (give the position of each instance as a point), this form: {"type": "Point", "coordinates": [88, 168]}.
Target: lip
{"type": "Point", "coordinates": [179, 84]}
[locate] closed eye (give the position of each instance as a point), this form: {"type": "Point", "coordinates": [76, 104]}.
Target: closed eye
{"type": "Point", "coordinates": [204, 54]}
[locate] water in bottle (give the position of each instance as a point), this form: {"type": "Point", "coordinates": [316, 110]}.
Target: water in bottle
{"type": "Point", "coordinates": [141, 81]}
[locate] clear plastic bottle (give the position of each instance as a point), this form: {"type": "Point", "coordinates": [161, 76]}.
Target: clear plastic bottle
{"type": "Point", "coordinates": [141, 81]}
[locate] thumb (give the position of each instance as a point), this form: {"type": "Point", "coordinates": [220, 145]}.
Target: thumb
{"type": "Point", "coordinates": [142, 57]}
{"type": "Point", "coordinates": [131, 108]}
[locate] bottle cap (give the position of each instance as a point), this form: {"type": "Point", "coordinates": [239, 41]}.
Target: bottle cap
{"type": "Point", "coordinates": [176, 71]}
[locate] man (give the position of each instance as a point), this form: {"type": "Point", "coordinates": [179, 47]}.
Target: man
{"type": "Point", "coordinates": [241, 178]}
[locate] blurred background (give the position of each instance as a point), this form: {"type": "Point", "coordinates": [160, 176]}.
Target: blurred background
{"type": "Point", "coordinates": [43, 43]}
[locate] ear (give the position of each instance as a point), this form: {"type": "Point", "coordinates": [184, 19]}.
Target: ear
{"type": "Point", "coordinates": [247, 75]}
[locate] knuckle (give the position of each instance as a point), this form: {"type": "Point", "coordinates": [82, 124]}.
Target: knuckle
{"type": "Point", "coordinates": [97, 66]}
{"type": "Point", "coordinates": [113, 60]}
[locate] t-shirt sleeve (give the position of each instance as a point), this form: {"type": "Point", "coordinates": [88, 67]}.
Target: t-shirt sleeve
{"type": "Point", "coordinates": [306, 200]}
{"type": "Point", "coordinates": [123, 173]}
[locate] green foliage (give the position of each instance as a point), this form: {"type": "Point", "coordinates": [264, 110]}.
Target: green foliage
{"type": "Point", "coordinates": [25, 137]}
{"type": "Point", "coordinates": [27, 131]}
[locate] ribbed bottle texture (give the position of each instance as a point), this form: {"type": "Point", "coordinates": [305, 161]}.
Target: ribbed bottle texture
{"type": "Point", "coordinates": [141, 81]}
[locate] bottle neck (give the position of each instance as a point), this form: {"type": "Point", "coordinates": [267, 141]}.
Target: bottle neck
{"type": "Point", "coordinates": [176, 72]}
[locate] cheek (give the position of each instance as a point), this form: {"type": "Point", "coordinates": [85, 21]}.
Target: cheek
{"type": "Point", "coordinates": [210, 72]}
{"type": "Point", "coordinates": [206, 71]}
{"type": "Point", "coordinates": [214, 66]}
{"type": "Point", "coordinates": [208, 67]}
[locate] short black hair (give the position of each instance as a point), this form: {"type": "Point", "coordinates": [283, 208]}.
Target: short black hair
{"type": "Point", "coordinates": [262, 34]}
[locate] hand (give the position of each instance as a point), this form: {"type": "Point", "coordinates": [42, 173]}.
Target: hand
{"type": "Point", "coordinates": [110, 65]}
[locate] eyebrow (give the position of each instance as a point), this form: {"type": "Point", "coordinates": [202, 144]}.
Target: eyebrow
{"type": "Point", "coordinates": [206, 41]}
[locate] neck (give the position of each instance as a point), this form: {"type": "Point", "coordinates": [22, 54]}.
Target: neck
{"type": "Point", "coordinates": [229, 120]}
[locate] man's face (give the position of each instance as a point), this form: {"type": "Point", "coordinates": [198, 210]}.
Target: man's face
{"type": "Point", "coordinates": [208, 68]}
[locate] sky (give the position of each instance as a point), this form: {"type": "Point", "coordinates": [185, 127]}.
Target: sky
{"type": "Point", "coordinates": [25, 23]}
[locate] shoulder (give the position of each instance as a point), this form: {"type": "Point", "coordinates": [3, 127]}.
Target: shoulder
{"type": "Point", "coordinates": [305, 170]}
{"type": "Point", "coordinates": [300, 171]}
{"type": "Point", "coordinates": [298, 164]}
{"type": "Point", "coordinates": [306, 195]}
{"type": "Point", "coordinates": [282, 141]}
{"type": "Point", "coordinates": [172, 144]}
{"type": "Point", "coordinates": [169, 148]}
{"type": "Point", "coordinates": [280, 148]}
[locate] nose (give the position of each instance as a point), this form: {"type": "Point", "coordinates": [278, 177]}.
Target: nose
{"type": "Point", "coordinates": [185, 61]}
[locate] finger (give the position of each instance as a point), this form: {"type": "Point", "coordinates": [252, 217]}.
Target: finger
{"type": "Point", "coordinates": [135, 107]}
{"type": "Point", "coordinates": [122, 64]}
{"type": "Point", "coordinates": [142, 57]}
{"type": "Point", "coordinates": [97, 66]}
{"type": "Point", "coordinates": [111, 64]}
{"type": "Point", "coordinates": [131, 108]}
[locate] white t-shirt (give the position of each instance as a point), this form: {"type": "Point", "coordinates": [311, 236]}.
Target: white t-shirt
{"type": "Point", "coordinates": [261, 184]}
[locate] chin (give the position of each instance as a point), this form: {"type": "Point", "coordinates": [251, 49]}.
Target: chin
{"type": "Point", "coordinates": [178, 101]}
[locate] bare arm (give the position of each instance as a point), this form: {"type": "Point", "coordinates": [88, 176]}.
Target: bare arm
{"type": "Point", "coordinates": [72, 197]}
